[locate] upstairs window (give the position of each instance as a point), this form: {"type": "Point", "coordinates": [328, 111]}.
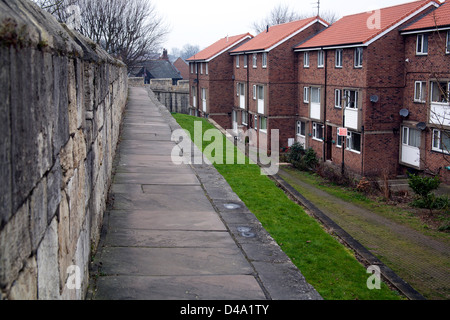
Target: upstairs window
{"type": "Point", "coordinates": [441, 141]}
{"type": "Point", "coordinates": [237, 61]}
{"type": "Point", "coordinates": [192, 67]}
{"type": "Point", "coordinates": [301, 128]}
{"type": "Point", "coordinates": [264, 60]}
{"type": "Point", "coordinates": [255, 60]}
{"type": "Point", "coordinates": [315, 95]}
{"type": "Point", "coordinates": [337, 98]}
{"type": "Point", "coordinates": [320, 59]}
{"type": "Point", "coordinates": [351, 97]}
{"type": "Point", "coordinates": [306, 59]}
{"type": "Point", "coordinates": [419, 91]}
{"type": "Point", "coordinates": [359, 57]}
{"type": "Point", "coordinates": [245, 61]}
{"type": "Point", "coordinates": [306, 94]}
{"type": "Point", "coordinates": [440, 91]}
{"type": "Point", "coordinates": [447, 50]}
{"type": "Point", "coordinates": [206, 68]}
{"type": "Point", "coordinates": [422, 44]}
{"type": "Point", "coordinates": [339, 58]}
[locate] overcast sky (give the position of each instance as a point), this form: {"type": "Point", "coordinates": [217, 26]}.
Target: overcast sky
{"type": "Point", "coordinates": [203, 22]}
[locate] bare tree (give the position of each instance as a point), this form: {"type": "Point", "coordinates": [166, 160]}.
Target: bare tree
{"type": "Point", "coordinates": [127, 29]}
{"type": "Point", "coordinates": [283, 14]}
{"type": "Point", "coordinates": [189, 50]}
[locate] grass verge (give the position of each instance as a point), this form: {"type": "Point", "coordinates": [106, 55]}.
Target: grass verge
{"type": "Point", "coordinates": [326, 264]}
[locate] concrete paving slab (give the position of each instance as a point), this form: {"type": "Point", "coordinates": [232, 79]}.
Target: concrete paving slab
{"type": "Point", "coordinates": [168, 220]}
{"type": "Point", "coordinates": [217, 287]}
{"type": "Point", "coordinates": [161, 178]}
{"type": "Point", "coordinates": [173, 261]}
{"type": "Point", "coordinates": [164, 239]}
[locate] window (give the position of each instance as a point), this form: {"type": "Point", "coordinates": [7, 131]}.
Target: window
{"type": "Point", "coordinates": [241, 94]}
{"type": "Point", "coordinates": [419, 91]}
{"type": "Point", "coordinates": [441, 141]}
{"type": "Point", "coordinates": [337, 98]}
{"type": "Point", "coordinates": [315, 95]}
{"type": "Point", "coordinates": [192, 68]}
{"type": "Point", "coordinates": [351, 97]}
{"type": "Point", "coordinates": [354, 141]}
{"type": "Point", "coordinates": [301, 128]}
{"type": "Point", "coordinates": [194, 97]}
{"type": "Point", "coordinates": [422, 44]}
{"type": "Point", "coordinates": [440, 91]}
{"type": "Point", "coordinates": [339, 139]}
{"type": "Point", "coordinates": [320, 59]}
{"type": "Point", "coordinates": [255, 60]}
{"type": "Point", "coordinates": [306, 59]}
{"type": "Point", "coordinates": [264, 60]}
{"type": "Point", "coordinates": [263, 124]}
{"type": "Point", "coordinates": [245, 118]}
{"type": "Point", "coordinates": [358, 57]}
{"type": "Point", "coordinates": [260, 90]}
{"type": "Point", "coordinates": [201, 68]}
{"type": "Point", "coordinates": [206, 68]}
{"type": "Point", "coordinates": [256, 122]}
{"type": "Point", "coordinates": [317, 131]}
{"type": "Point", "coordinates": [411, 137]}
{"type": "Point", "coordinates": [339, 58]}
{"type": "Point", "coordinates": [245, 61]}
{"type": "Point", "coordinates": [306, 94]}
{"type": "Point", "coordinates": [204, 99]}
{"type": "Point", "coordinates": [447, 50]}
{"type": "Point", "coordinates": [237, 61]}
{"type": "Point", "coordinates": [196, 68]}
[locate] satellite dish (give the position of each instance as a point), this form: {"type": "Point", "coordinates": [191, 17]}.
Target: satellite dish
{"type": "Point", "coordinates": [404, 113]}
{"type": "Point", "coordinates": [421, 125]}
{"type": "Point", "coordinates": [374, 98]}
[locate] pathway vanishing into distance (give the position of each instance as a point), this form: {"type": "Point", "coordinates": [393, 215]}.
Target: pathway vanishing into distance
{"type": "Point", "coordinates": [179, 231]}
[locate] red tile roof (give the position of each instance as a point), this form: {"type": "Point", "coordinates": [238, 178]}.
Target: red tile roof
{"type": "Point", "coordinates": [266, 40]}
{"type": "Point", "coordinates": [219, 46]}
{"type": "Point", "coordinates": [362, 27]}
{"type": "Point", "coordinates": [438, 18]}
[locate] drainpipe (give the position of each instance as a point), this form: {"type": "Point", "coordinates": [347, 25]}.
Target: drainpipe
{"type": "Point", "coordinates": [325, 133]}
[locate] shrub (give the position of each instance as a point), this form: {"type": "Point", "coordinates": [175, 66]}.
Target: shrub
{"type": "Point", "coordinates": [423, 187]}
{"type": "Point", "coordinates": [302, 159]}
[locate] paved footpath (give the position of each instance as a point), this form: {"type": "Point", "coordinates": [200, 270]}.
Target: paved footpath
{"type": "Point", "coordinates": [178, 231]}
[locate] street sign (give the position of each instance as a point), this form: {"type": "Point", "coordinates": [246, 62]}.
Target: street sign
{"type": "Point", "coordinates": [343, 132]}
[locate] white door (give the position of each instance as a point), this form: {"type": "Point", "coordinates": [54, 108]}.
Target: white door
{"type": "Point", "coordinates": [411, 146]}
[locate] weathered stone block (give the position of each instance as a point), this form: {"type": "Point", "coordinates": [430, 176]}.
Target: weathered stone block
{"type": "Point", "coordinates": [64, 254]}
{"type": "Point", "coordinates": [47, 261]}
{"type": "Point", "coordinates": [15, 245]}
{"type": "Point", "coordinates": [25, 287]}
{"type": "Point", "coordinates": [38, 213]}
{"type": "Point", "coordinates": [54, 183]}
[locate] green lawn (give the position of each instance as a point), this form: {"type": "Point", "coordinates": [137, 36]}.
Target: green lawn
{"type": "Point", "coordinates": [326, 264]}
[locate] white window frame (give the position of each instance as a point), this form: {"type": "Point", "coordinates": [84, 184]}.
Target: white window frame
{"type": "Point", "coordinates": [261, 124]}
{"type": "Point", "coordinates": [432, 85]}
{"type": "Point", "coordinates": [237, 61]}
{"type": "Point", "coordinates": [359, 55]}
{"type": "Point", "coordinates": [419, 90]}
{"type": "Point", "coordinates": [264, 60]}
{"type": "Point", "coordinates": [192, 67]}
{"type": "Point", "coordinates": [348, 101]}
{"type": "Point", "coordinates": [406, 137]}
{"type": "Point", "coordinates": [338, 98]}
{"type": "Point", "coordinates": [255, 60]}
{"type": "Point", "coordinates": [245, 61]}
{"type": "Point", "coordinates": [206, 68]}
{"type": "Point", "coordinates": [194, 97]}
{"type": "Point", "coordinates": [201, 67]}
{"type": "Point", "coordinates": [447, 46]}
{"type": "Point", "coordinates": [301, 126]}
{"type": "Point", "coordinates": [422, 44]}
{"type": "Point", "coordinates": [244, 117]}
{"type": "Point", "coordinates": [255, 125]}
{"type": "Point", "coordinates": [436, 144]}
{"type": "Point", "coordinates": [319, 95]}
{"type": "Point", "coordinates": [306, 94]}
{"type": "Point", "coordinates": [261, 99]}
{"type": "Point", "coordinates": [306, 59]}
{"type": "Point", "coordinates": [196, 68]}
{"type": "Point", "coordinates": [317, 128]}
{"type": "Point", "coordinates": [254, 92]}
{"type": "Point", "coordinates": [320, 59]}
{"type": "Point", "coordinates": [339, 57]}
{"type": "Point", "coordinates": [204, 105]}
{"type": "Point", "coordinates": [350, 141]}
{"type": "Point", "coordinates": [339, 139]}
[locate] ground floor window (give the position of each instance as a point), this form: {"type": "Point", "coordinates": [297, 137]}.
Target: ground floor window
{"type": "Point", "coordinates": [301, 128]}
{"type": "Point", "coordinates": [411, 137]}
{"type": "Point", "coordinates": [441, 141]}
{"type": "Point", "coordinates": [317, 131]}
{"type": "Point", "coordinates": [354, 141]}
{"type": "Point", "coordinates": [263, 124]}
{"type": "Point", "coordinates": [245, 118]}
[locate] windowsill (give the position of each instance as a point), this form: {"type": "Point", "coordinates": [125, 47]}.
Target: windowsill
{"type": "Point", "coordinates": [337, 107]}
{"type": "Point", "coordinates": [305, 67]}
{"type": "Point", "coordinates": [263, 130]}
{"type": "Point", "coordinates": [306, 102]}
{"type": "Point", "coordinates": [320, 67]}
{"type": "Point", "coordinates": [439, 151]}
{"type": "Point", "coordinates": [354, 151]}
{"type": "Point", "coordinates": [357, 67]}
{"type": "Point", "coordinates": [316, 139]}
{"type": "Point", "coordinates": [338, 67]}
{"type": "Point", "coordinates": [421, 54]}
{"type": "Point", "coordinates": [419, 101]}
{"type": "Point", "coordinates": [300, 136]}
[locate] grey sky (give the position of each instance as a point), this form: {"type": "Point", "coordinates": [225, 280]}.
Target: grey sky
{"type": "Point", "coordinates": [203, 22]}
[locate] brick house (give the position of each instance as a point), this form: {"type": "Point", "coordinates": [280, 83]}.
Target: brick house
{"type": "Point", "coordinates": [351, 75]}
{"type": "Point", "coordinates": [211, 81]}
{"type": "Point", "coordinates": [265, 79]}
{"type": "Point", "coordinates": [425, 125]}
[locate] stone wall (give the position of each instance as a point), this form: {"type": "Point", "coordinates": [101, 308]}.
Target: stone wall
{"type": "Point", "coordinates": [175, 98]}
{"type": "Point", "coordinates": [61, 103]}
